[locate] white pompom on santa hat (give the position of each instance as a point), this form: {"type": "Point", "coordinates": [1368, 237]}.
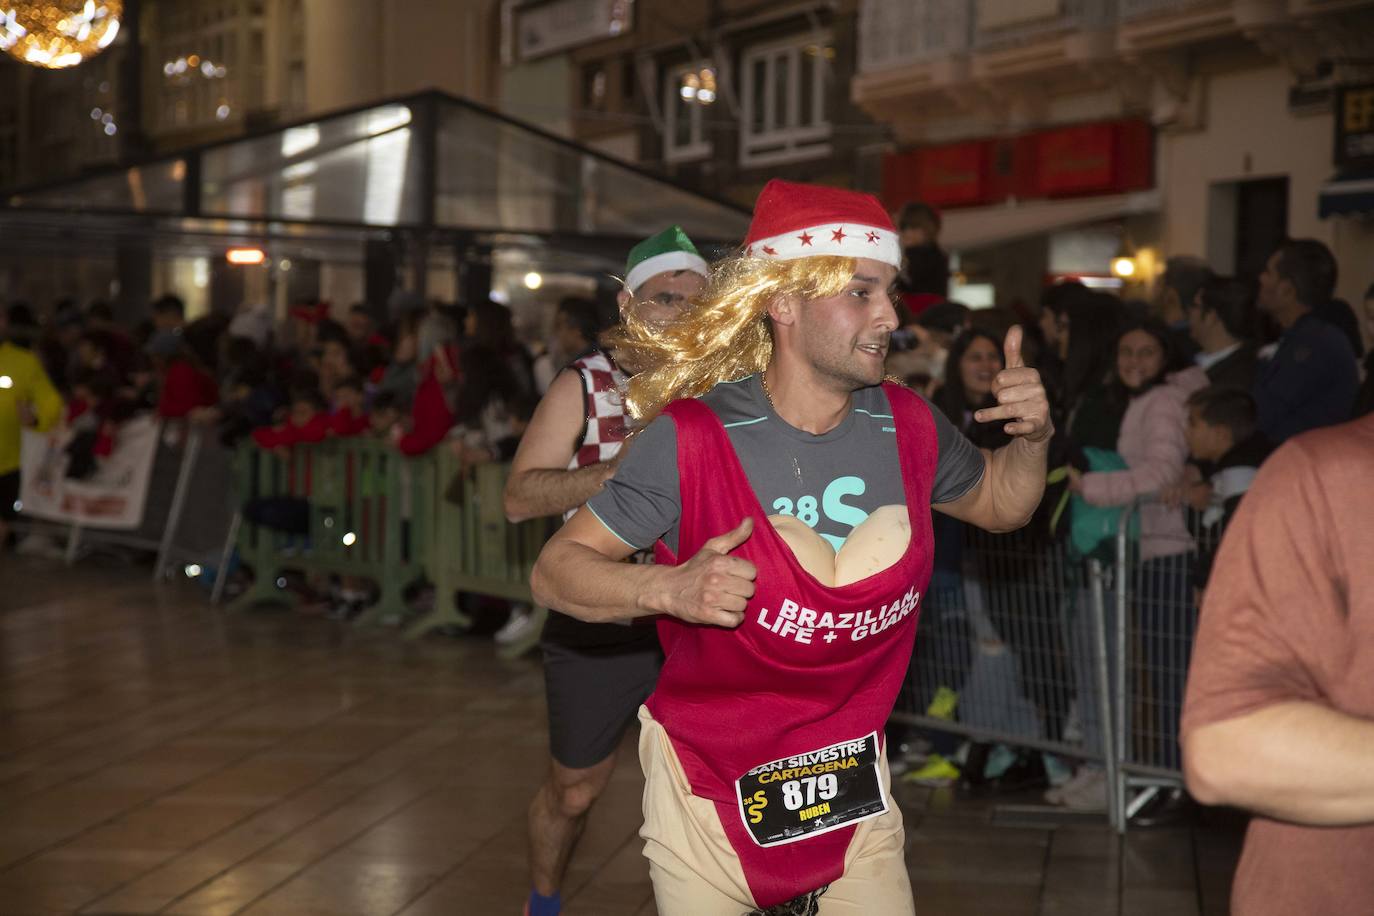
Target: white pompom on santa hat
{"type": "Point", "coordinates": [793, 220]}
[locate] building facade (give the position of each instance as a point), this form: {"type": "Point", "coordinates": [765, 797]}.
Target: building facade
{"type": "Point", "coordinates": [722, 96]}
{"type": "Point", "coordinates": [1239, 98]}
{"type": "Point", "coordinates": [191, 71]}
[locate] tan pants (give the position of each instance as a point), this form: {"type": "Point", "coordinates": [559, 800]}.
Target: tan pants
{"type": "Point", "coordinates": [695, 871]}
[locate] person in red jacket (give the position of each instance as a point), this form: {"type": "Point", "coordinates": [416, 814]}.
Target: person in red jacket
{"type": "Point", "coordinates": [432, 412]}
{"type": "Point", "coordinates": [306, 422]}
{"type": "Point", "coordinates": [348, 417]}
{"type": "Point", "coordinates": [186, 384]}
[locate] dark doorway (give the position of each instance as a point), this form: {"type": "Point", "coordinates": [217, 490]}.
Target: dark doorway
{"type": "Point", "coordinates": [1261, 222]}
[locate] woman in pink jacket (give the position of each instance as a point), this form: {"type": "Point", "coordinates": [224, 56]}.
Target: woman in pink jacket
{"type": "Point", "coordinates": [1152, 442]}
{"type": "Point", "coordinates": [1151, 439]}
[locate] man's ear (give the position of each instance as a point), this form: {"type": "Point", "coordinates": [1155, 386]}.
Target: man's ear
{"type": "Point", "coordinates": [622, 299]}
{"type": "Point", "coordinates": [783, 311]}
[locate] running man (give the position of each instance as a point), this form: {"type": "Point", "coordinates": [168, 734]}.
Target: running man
{"type": "Point", "coordinates": [596, 675]}
{"type": "Point", "coordinates": [786, 492]}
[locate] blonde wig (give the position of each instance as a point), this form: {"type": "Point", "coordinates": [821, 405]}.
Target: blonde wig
{"type": "Point", "coordinates": [723, 334]}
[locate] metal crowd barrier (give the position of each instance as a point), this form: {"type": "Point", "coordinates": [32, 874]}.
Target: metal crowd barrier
{"type": "Point", "coordinates": [195, 533]}
{"type": "Point", "coordinates": [476, 549]}
{"type": "Point", "coordinates": [359, 508]}
{"type": "Point", "coordinates": [183, 455]}
{"type": "Point", "coordinates": [1016, 630]}
{"type": "Point", "coordinates": [1085, 658]}
{"type": "Point", "coordinates": [1155, 621]}
{"type": "Point", "coordinates": [353, 507]}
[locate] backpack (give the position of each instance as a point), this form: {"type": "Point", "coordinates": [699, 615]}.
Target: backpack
{"type": "Point", "coordinates": [1091, 529]}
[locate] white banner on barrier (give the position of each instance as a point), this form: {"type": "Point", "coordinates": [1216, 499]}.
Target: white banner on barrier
{"type": "Point", "coordinates": [112, 497]}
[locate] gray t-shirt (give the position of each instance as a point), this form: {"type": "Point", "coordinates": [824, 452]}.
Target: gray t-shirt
{"type": "Point", "coordinates": [831, 482]}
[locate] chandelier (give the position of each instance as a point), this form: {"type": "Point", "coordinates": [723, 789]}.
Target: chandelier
{"type": "Point", "coordinates": [58, 33]}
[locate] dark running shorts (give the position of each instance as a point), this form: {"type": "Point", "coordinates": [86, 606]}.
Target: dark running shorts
{"type": "Point", "coordinates": [594, 693]}
{"type": "Point", "coordinates": [9, 494]}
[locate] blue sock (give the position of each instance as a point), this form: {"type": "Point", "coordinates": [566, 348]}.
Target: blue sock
{"type": "Point", "coordinates": [545, 906]}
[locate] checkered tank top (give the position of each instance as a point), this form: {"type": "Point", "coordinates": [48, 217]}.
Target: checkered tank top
{"type": "Point", "coordinates": [603, 384]}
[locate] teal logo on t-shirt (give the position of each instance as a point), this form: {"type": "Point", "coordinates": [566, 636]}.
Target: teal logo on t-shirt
{"type": "Point", "coordinates": [808, 510]}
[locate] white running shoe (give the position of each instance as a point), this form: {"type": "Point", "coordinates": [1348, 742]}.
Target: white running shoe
{"type": "Point", "coordinates": [1090, 794]}
{"type": "Point", "coordinates": [40, 545]}
{"type": "Point", "coordinates": [1086, 774]}
{"type": "Point", "coordinates": [517, 627]}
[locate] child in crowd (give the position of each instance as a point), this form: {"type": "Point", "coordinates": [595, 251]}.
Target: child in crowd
{"type": "Point", "coordinates": [89, 417]}
{"type": "Point", "coordinates": [248, 397]}
{"type": "Point", "coordinates": [335, 364]}
{"type": "Point", "coordinates": [1222, 435]}
{"type": "Point", "coordinates": [348, 418]}
{"type": "Point", "coordinates": [307, 421]}
{"type": "Point", "coordinates": [385, 414]}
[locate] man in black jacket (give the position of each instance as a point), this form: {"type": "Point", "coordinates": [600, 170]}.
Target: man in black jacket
{"type": "Point", "coordinates": [1312, 379]}
{"type": "Point", "coordinates": [1175, 291]}
{"type": "Point", "coordinates": [924, 278]}
{"type": "Point", "coordinates": [1221, 320]}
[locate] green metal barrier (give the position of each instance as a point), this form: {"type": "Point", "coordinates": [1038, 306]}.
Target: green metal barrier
{"type": "Point", "coordinates": [370, 515]}
{"type": "Point", "coordinates": [477, 550]}
{"type": "Point", "coordinates": [378, 515]}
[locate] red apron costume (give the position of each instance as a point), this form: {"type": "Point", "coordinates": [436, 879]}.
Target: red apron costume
{"type": "Point", "coordinates": [778, 722]}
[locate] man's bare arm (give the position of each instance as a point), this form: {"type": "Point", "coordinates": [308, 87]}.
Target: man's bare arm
{"type": "Point", "coordinates": [1295, 761]}
{"type": "Point", "coordinates": [1011, 487]}
{"type": "Point", "coordinates": [541, 491]}
{"type": "Point", "coordinates": [540, 482]}
{"type": "Point", "coordinates": [579, 572]}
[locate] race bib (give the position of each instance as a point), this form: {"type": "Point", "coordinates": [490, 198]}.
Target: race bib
{"type": "Point", "coordinates": [807, 794]}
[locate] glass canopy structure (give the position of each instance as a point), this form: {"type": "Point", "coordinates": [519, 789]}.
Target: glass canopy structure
{"type": "Point", "coordinates": [429, 161]}
{"type": "Point", "coordinates": [432, 174]}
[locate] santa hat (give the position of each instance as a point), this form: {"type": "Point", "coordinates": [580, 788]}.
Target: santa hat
{"type": "Point", "coordinates": [669, 250]}
{"type": "Point", "coordinates": [794, 220]}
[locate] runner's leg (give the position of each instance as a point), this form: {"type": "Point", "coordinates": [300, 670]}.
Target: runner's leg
{"type": "Point", "coordinates": [875, 876]}
{"type": "Point", "coordinates": [557, 816]}
{"type": "Point", "coordinates": [694, 870]}
{"type": "Point", "coordinates": [593, 694]}
{"type": "Point", "coordinates": [875, 880]}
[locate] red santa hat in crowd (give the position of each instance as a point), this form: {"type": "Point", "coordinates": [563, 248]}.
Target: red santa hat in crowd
{"type": "Point", "coordinates": [793, 220]}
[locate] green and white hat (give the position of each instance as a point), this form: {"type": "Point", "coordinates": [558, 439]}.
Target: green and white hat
{"type": "Point", "coordinates": [669, 250]}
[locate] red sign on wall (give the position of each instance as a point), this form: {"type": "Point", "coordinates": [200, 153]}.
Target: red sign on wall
{"type": "Point", "coordinates": [1106, 158]}
{"type": "Point", "coordinates": [954, 175]}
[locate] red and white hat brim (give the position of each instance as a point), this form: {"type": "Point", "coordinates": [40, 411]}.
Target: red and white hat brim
{"type": "Point", "coordinates": [847, 240]}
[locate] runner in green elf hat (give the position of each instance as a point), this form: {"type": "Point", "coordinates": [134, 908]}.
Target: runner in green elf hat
{"type": "Point", "coordinates": [661, 274]}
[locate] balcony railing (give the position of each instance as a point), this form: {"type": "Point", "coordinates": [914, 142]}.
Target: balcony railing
{"type": "Point", "coordinates": [894, 33]}
{"type": "Point", "coordinates": [1144, 9]}
{"type": "Point", "coordinates": [1004, 23]}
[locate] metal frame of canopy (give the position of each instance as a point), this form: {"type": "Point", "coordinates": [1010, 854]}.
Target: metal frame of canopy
{"type": "Point", "coordinates": [230, 191]}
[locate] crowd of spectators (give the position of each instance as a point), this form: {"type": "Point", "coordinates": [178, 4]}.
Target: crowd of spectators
{"type": "Point", "coordinates": [1176, 402]}
{"type": "Point", "coordinates": [431, 374]}
{"type": "Point", "coordinates": [428, 376]}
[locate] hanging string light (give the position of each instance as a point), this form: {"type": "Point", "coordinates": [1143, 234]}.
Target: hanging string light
{"type": "Point", "coordinates": [58, 33]}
